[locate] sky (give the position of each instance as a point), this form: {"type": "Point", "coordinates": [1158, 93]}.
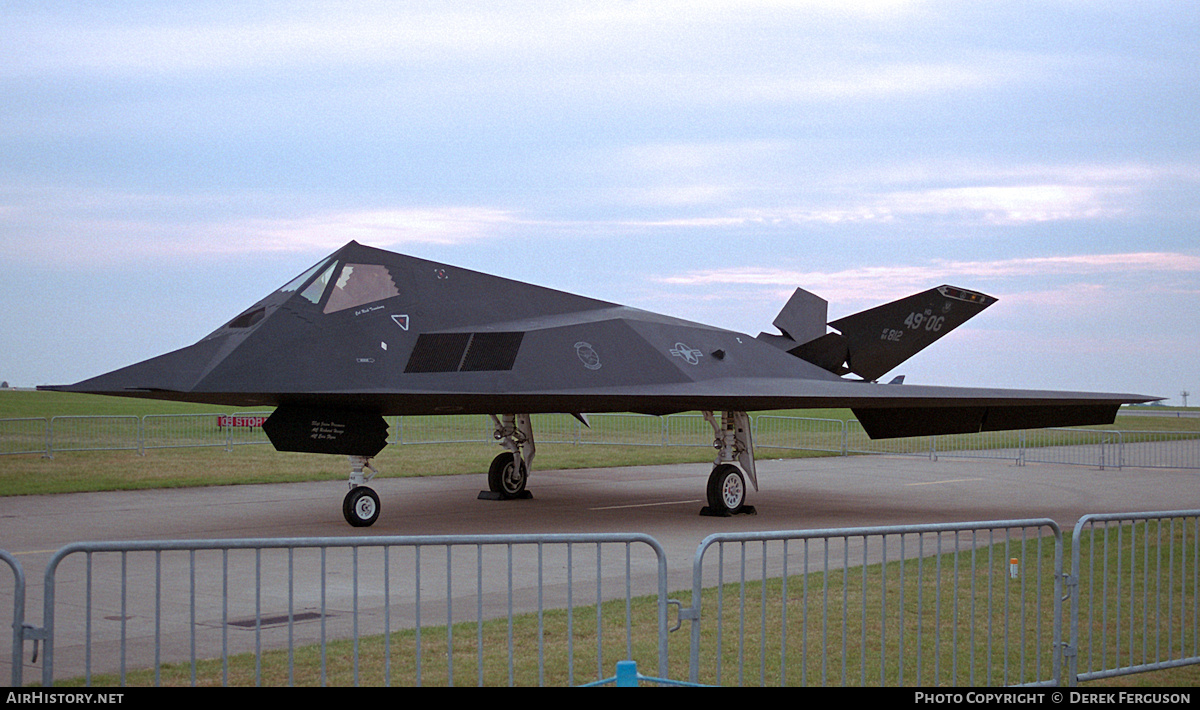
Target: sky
{"type": "Point", "coordinates": [163, 165]}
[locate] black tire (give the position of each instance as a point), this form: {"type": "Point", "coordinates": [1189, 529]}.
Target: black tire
{"type": "Point", "coordinates": [361, 507]}
{"type": "Point", "coordinates": [503, 478]}
{"type": "Point", "coordinates": [726, 489]}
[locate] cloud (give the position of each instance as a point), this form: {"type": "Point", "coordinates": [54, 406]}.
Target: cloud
{"type": "Point", "coordinates": [968, 206]}
{"type": "Point", "coordinates": [382, 228]}
{"type": "Point", "coordinates": [1007, 204]}
{"type": "Point", "coordinates": [882, 282]}
{"type": "Point", "coordinates": [102, 227]}
{"type": "Point", "coordinates": [755, 182]}
{"type": "Point", "coordinates": [173, 40]}
{"type": "Point", "coordinates": [700, 53]}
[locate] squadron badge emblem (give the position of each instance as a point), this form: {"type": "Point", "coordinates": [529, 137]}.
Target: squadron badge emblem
{"type": "Point", "coordinates": [587, 355]}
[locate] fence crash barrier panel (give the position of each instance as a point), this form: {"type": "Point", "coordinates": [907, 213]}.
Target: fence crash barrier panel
{"type": "Point", "coordinates": [945, 604]}
{"type": "Point", "coordinates": [18, 617]}
{"type": "Point", "coordinates": [949, 604]}
{"type": "Point", "coordinates": [378, 594]}
{"type": "Point", "coordinates": [1135, 593]}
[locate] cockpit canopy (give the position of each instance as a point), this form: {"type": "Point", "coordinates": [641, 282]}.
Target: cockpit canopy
{"type": "Point", "coordinates": [355, 285]}
{"type": "Point", "coordinates": [336, 284]}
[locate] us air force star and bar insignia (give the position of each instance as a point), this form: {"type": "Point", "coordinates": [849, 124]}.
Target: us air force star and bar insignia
{"type": "Point", "coordinates": [690, 354]}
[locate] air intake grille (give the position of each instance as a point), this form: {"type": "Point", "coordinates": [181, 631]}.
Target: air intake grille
{"type": "Point", "coordinates": [464, 352]}
{"type": "Point", "coordinates": [491, 351]}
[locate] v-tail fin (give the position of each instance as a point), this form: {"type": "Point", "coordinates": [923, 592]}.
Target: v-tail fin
{"type": "Point", "coordinates": [873, 342]}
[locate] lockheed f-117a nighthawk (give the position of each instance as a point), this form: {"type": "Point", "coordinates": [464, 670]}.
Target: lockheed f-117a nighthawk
{"type": "Point", "coordinates": [367, 333]}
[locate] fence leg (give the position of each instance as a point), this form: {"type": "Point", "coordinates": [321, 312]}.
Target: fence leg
{"type": "Point", "coordinates": [627, 676]}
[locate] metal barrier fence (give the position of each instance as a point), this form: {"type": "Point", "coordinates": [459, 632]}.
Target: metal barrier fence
{"type": "Point", "coordinates": [496, 599]}
{"type": "Point", "coordinates": [955, 604]}
{"type": "Point", "coordinates": [130, 433]}
{"type": "Point", "coordinates": [1087, 447]}
{"type": "Point", "coordinates": [1082, 447]}
{"type": "Point", "coordinates": [452, 429]}
{"type": "Point", "coordinates": [1136, 598]}
{"type": "Point", "coordinates": [1100, 448]}
{"type": "Point", "coordinates": [1154, 449]}
{"type": "Point", "coordinates": [919, 605]}
{"type": "Point", "coordinates": [24, 436]}
{"type": "Point", "coordinates": [827, 435]}
{"type": "Point", "coordinates": [18, 619]}
{"type": "Point", "coordinates": [176, 431]}
{"type": "Point", "coordinates": [76, 433]}
{"type": "Point", "coordinates": [857, 442]}
{"type": "Point", "coordinates": [610, 429]}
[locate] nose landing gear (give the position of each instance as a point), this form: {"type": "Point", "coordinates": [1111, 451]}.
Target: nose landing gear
{"type": "Point", "coordinates": [360, 507]}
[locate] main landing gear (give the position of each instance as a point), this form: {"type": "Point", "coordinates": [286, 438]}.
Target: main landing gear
{"type": "Point", "coordinates": [509, 472]}
{"type": "Point", "coordinates": [508, 476]}
{"type": "Point", "coordinates": [726, 484]}
{"type": "Point", "coordinates": [361, 505]}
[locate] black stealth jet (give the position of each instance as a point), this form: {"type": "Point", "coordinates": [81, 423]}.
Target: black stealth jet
{"type": "Point", "coordinates": [368, 333]}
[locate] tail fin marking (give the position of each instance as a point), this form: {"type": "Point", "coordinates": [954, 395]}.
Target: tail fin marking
{"type": "Point", "coordinates": [872, 342]}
